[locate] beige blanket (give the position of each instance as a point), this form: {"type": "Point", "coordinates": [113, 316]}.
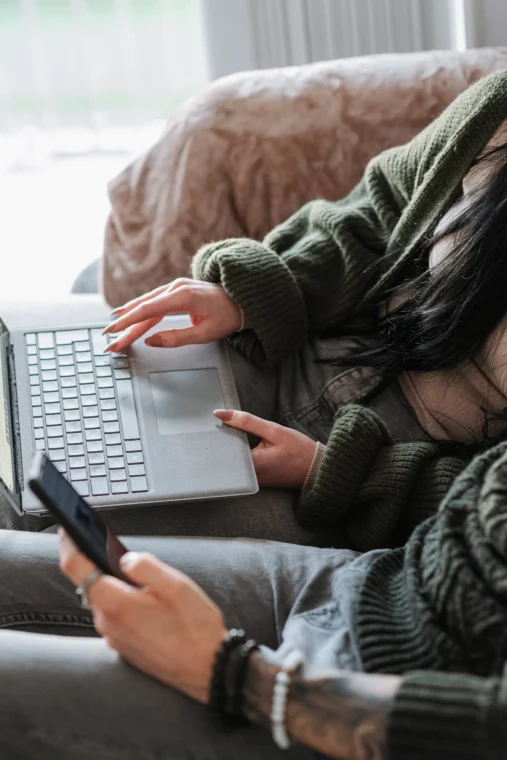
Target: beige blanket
{"type": "Point", "coordinates": [253, 147]}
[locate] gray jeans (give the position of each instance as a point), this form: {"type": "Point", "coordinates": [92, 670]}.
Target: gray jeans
{"type": "Point", "coordinates": [70, 697]}
{"type": "Point", "coordinates": [303, 393]}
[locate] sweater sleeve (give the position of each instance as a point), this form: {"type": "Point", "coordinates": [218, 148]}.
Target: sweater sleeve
{"type": "Point", "coordinates": [375, 490]}
{"type": "Point", "coordinates": [446, 716]}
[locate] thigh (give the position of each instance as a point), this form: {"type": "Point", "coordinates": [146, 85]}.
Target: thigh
{"type": "Point", "coordinates": [74, 699]}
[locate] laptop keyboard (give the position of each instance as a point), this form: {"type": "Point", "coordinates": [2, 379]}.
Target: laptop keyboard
{"type": "Point", "coordinates": [83, 411]}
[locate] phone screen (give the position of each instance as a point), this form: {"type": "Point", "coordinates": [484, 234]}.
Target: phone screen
{"type": "Point", "coordinates": [84, 526]}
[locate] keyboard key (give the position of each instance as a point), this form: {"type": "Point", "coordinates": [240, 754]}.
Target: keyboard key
{"type": "Point", "coordinates": [100, 371]}
{"type": "Point", "coordinates": [82, 487]}
{"type": "Point", "coordinates": [71, 403]}
{"type": "Point", "coordinates": [37, 411]}
{"type": "Point", "coordinates": [52, 408]}
{"type": "Point", "coordinates": [35, 390]}
{"type": "Point", "coordinates": [55, 443]}
{"type": "Point", "coordinates": [112, 440]}
{"type": "Point", "coordinates": [135, 457]}
{"type": "Point", "coordinates": [99, 341]}
{"type": "Point", "coordinates": [86, 377]}
{"type": "Point", "coordinates": [47, 353]}
{"type": "Point", "coordinates": [97, 458]}
{"type": "Point", "coordinates": [69, 392]}
{"type": "Point", "coordinates": [87, 390]}
{"type": "Point", "coordinates": [114, 451]}
{"type": "Point", "coordinates": [38, 434]}
{"type": "Point", "coordinates": [105, 382]}
{"type": "Point", "coordinates": [74, 438]}
{"type": "Point", "coordinates": [32, 360]}
{"type": "Point", "coordinates": [33, 371]}
{"type": "Point", "coordinates": [68, 382]}
{"type": "Point", "coordinates": [106, 393]}
{"type": "Point", "coordinates": [30, 339]}
{"type": "Point", "coordinates": [94, 447]}
{"type": "Point", "coordinates": [55, 432]}
{"type": "Point", "coordinates": [48, 364]}
{"type": "Point", "coordinates": [127, 409]}
{"type": "Point", "coordinates": [93, 435]}
{"type": "Point", "coordinates": [50, 387]}
{"type": "Point", "coordinates": [57, 455]}
{"type": "Point", "coordinates": [121, 487]}
{"type": "Point", "coordinates": [110, 416]}
{"type": "Point", "coordinates": [121, 363]}
{"type": "Point", "coordinates": [76, 462]}
{"type": "Point", "coordinates": [115, 463]}
{"type": "Point", "coordinates": [61, 467]}
{"type": "Point", "coordinates": [34, 380]}
{"type": "Point", "coordinates": [122, 374]}
{"type": "Point", "coordinates": [40, 445]}
{"type": "Point", "coordinates": [67, 371]}
{"type": "Point", "coordinates": [89, 401]}
{"type": "Point", "coordinates": [97, 470]}
{"type": "Point", "coordinates": [76, 450]}
{"type": "Point", "coordinates": [51, 398]}
{"type": "Point", "coordinates": [64, 350]}
{"type": "Point", "coordinates": [78, 474]}
{"type": "Point", "coordinates": [111, 427]}
{"type": "Point", "coordinates": [38, 422]}
{"type": "Point", "coordinates": [84, 357]}
{"type": "Point", "coordinates": [73, 427]}
{"type": "Point", "coordinates": [71, 336]}
{"type": "Point", "coordinates": [45, 340]}
{"type": "Point", "coordinates": [82, 346]}
{"type": "Point", "coordinates": [54, 419]}
{"type": "Point", "coordinates": [31, 350]}
{"type": "Point", "coordinates": [100, 486]}
{"type": "Point", "coordinates": [90, 411]}
{"type": "Point", "coordinates": [108, 404]}
{"type": "Point", "coordinates": [138, 484]}
{"type": "Point", "coordinates": [91, 422]}
{"type": "Point", "coordinates": [102, 361]}
{"type": "Point", "coordinates": [37, 401]}
{"type": "Point", "coordinates": [136, 469]}
{"type": "Point", "coordinates": [71, 415]}
{"type": "Point", "coordinates": [66, 361]}
{"type": "Point", "coordinates": [117, 475]}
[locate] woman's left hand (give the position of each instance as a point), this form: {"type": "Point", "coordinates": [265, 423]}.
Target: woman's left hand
{"type": "Point", "coordinates": [170, 629]}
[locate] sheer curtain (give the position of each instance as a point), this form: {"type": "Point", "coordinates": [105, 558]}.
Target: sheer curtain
{"type": "Point", "coordinates": [248, 34]}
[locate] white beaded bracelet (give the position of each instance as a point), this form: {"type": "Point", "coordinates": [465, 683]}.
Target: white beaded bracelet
{"type": "Point", "coordinates": [279, 703]}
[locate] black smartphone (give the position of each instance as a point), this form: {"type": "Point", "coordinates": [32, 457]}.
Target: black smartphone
{"type": "Point", "coordinates": [83, 525]}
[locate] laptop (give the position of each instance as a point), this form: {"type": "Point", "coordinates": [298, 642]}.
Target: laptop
{"type": "Point", "coordinates": [129, 428]}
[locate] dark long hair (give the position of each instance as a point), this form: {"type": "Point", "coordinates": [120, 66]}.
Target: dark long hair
{"type": "Point", "coordinates": [448, 314]}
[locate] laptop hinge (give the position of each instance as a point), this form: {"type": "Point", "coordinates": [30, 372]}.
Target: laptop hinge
{"type": "Point", "coordinates": [11, 411]}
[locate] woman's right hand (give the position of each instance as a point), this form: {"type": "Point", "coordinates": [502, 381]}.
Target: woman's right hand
{"type": "Point", "coordinates": [212, 312]}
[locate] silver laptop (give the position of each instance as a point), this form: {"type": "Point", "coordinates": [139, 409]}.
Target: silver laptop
{"type": "Point", "coordinates": [126, 429]}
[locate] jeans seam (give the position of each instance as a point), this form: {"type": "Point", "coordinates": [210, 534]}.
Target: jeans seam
{"type": "Point", "coordinates": [45, 618]}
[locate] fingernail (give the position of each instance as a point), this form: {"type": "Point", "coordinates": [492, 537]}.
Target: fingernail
{"type": "Point", "coordinates": [108, 327]}
{"type": "Point", "coordinates": [111, 347]}
{"type": "Point", "coordinates": [223, 414]}
{"type": "Point", "coordinates": [115, 312]}
{"type": "Point", "coordinates": [128, 560]}
{"type": "Point", "coordinates": [155, 341]}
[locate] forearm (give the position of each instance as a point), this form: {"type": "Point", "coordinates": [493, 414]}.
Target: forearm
{"type": "Point", "coordinates": [342, 715]}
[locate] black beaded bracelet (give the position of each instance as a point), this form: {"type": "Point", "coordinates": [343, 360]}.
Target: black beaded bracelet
{"type": "Point", "coordinates": [218, 696]}
{"type": "Point", "coordinates": [236, 676]}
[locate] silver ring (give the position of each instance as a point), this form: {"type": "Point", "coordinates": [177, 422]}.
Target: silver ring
{"type": "Point", "coordinates": [83, 590]}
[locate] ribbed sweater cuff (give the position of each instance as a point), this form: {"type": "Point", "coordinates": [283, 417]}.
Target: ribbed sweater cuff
{"type": "Point", "coordinates": [441, 716]}
{"type": "Point", "coordinates": [264, 289]}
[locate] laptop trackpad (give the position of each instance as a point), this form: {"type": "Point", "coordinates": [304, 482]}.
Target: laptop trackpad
{"type": "Point", "coordinates": [184, 400]}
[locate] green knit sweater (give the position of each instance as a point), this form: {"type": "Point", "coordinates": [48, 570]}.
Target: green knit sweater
{"type": "Point", "coordinates": [328, 264]}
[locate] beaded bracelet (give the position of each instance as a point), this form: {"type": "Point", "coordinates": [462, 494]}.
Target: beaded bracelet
{"type": "Point", "coordinates": [218, 696]}
{"type": "Point", "coordinates": [280, 692]}
{"type": "Point", "coordinates": [236, 676]}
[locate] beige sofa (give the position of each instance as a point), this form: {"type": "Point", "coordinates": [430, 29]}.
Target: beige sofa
{"type": "Point", "coordinates": [253, 147]}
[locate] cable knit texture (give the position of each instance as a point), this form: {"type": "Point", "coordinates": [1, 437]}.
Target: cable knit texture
{"type": "Point", "coordinates": [441, 601]}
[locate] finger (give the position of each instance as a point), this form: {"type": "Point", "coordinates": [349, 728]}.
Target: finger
{"type": "Point", "coordinates": [164, 581]}
{"type": "Point", "coordinates": [184, 336]}
{"type": "Point", "coordinates": [136, 301]}
{"type": "Point", "coordinates": [73, 563]}
{"type": "Point", "coordinates": [159, 306]}
{"type": "Point", "coordinates": [248, 422]}
{"type": "Point", "coordinates": [131, 334]}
